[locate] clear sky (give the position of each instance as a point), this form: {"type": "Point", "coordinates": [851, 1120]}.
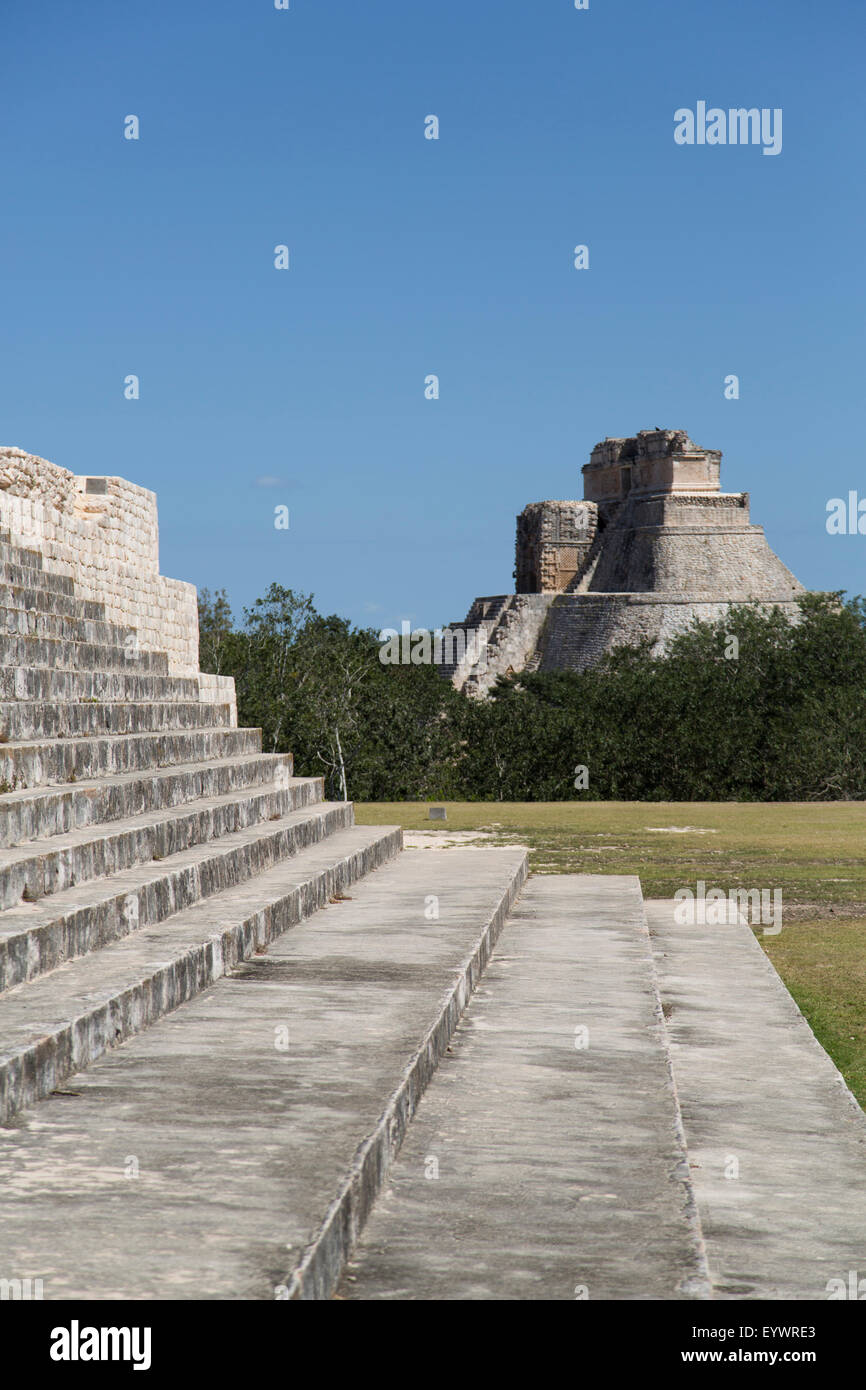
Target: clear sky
{"type": "Point", "coordinates": [411, 257]}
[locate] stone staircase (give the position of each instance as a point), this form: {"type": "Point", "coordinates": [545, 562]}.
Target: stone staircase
{"type": "Point", "coordinates": [512, 624]}
{"type": "Point", "coordinates": [484, 616]}
{"type": "Point", "coordinates": [146, 845]}
{"type": "Point", "coordinates": [152, 863]}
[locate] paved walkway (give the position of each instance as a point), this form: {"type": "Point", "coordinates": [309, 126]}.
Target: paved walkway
{"type": "Point", "coordinates": [534, 1169]}
{"type": "Point", "coordinates": [762, 1099]}
{"type": "Point", "coordinates": [557, 1169]}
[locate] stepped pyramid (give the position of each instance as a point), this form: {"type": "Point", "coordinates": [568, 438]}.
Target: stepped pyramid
{"type": "Point", "coordinates": [654, 545]}
{"type": "Point", "coordinates": [147, 846]}
{"type": "Point", "coordinates": [250, 1050]}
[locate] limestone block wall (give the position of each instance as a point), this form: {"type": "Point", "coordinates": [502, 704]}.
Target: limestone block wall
{"type": "Point", "coordinates": [103, 533]}
{"type": "Point", "coordinates": [219, 690]}
{"type": "Point", "coordinates": [582, 628]}
{"type": "Point", "coordinates": [705, 545]}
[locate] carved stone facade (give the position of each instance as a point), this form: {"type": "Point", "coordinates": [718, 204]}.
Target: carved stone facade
{"type": "Point", "coordinates": [553, 539]}
{"type": "Point", "coordinates": [653, 545]}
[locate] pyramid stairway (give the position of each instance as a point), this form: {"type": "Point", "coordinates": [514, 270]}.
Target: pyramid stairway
{"type": "Point", "coordinates": [142, 837]}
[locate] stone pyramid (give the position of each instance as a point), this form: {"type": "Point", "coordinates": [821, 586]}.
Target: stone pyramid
{"type": "Point", "coordinates": [653, 545]}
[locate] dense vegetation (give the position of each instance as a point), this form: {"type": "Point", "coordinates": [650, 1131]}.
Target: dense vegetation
{"type": "Point", "coordinates": [777, 714]}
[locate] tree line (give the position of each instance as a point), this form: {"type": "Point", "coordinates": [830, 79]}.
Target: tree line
{"type": "Point", "coordinates": [752, 708]}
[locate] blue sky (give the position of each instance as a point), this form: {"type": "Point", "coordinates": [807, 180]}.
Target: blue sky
{"type": "Point", "coordinates": [411, 257]}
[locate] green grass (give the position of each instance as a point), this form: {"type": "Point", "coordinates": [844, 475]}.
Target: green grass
{"type": "Point", "coordinates": [824, 966]}
{"type": "Point", "coordinates": [814, 851]}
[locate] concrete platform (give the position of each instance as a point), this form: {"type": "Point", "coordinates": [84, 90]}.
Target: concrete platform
{"type": "Point", "coordinates": [537, 1169]}
{"type": "Point", "coordinates": [760, 1098]}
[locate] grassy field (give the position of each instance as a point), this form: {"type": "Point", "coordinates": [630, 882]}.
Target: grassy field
{"type": "Point", "coordinates": [814, 851]}
{"type": "Point", "coordinates": [823, 963]}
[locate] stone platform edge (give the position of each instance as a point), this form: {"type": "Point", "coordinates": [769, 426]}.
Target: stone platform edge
{"type": "Point", "coordinates": [698, 1284]}
{"type": "Point", "coordinates": [318, 1273]}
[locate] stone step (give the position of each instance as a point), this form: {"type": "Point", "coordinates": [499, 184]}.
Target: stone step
{"type": "Point", "coordinates": [236, 1145]}
{"type": "Point", "coordinates": [67, 760]}
{"type": "Point", "coordinates": [33, 815]}
{"type": "Point", "coordinates": [14, 554]}
{"type": "Point", "coordinates": [36, 938]}
{"type": "Point", "coordinates": [537, 1168]}
{"type": "Point", "coordinates": [20, 622]}
{"type": "Point", "coordinates": [777, 1142]}
{"type": "Point", "coordinates": [36, 599]}
{"type": "Point", "coordinates": [31, 577]}
{"type": "Point", "coordinates": [45, 867]}
{"type": "Point", "coordinates": [61, 1023]}
{"type": "Point", "coordinates": [24, 722]}
{"type": "Point", "coordinates": [79, 656]}
{"type": "Point", "coordinates": [43, 683]}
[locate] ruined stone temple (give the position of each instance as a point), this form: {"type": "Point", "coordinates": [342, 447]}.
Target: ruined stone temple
{"type": "Point", "coordinates": [653, 545]}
